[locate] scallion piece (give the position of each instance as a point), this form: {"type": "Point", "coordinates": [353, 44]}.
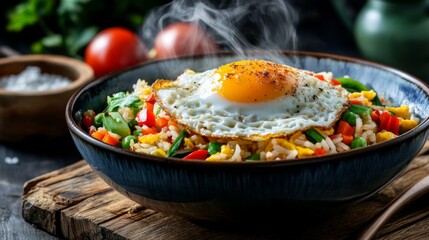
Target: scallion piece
{"type": "Point", "coordinates": [361, 110]}
{"type": "Point", "coordinates": [177, 143]}
{"type": "Point", "coordinates": [313, 135]}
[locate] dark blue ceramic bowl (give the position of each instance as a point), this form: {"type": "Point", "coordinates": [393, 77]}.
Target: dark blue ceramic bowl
{"type": "Point", "coordinates": [250, 190]}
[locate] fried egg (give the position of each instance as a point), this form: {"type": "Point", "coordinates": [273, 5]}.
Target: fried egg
{"type": "Point", "coordinates": [251, 99]}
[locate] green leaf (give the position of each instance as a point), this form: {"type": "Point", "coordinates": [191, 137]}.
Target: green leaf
{"type": "Point", "coordinates": [52, 41]}
{"type": "Point", "coordinates": [71, 8]}
{"type": "Point", "coordinates": [24, 14]}
{"type": "Point", "coordinates": [77, 39]}
{"type": "Point", "coordinates": [131, 101]}
{"type": "Point", "coordinates": [37, 47]}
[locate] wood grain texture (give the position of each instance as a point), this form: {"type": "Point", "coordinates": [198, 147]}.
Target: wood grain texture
{"type": "Point", "coordinates": [74, 203]}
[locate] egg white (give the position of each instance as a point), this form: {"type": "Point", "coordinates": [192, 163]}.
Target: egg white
{"type": "Point", "coordinates": [193, 101]}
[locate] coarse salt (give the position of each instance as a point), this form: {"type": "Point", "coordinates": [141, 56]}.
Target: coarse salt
{"type": "Point", "coordinates": [31, 79]}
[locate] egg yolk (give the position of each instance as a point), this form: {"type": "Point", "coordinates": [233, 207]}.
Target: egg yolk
{"type": "Point", "coordinates": [250, 81]}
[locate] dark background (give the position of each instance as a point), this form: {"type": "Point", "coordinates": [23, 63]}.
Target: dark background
{"type": "Point", "coordinates": [318, 28]}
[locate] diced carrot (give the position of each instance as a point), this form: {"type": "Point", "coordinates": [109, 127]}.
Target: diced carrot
{"type": "Point", "coordinates": [172, 123]}
{"type": "Point", "coordinates": [355, 101]}
{"type": "Point", "coordinates": [319, 152]}
{"type": "Point", "coordinates": [347, 139]}
{"type": "Point", "coordinates": [345, 128]}
{"type": "Point", "coordinates": [335, 82]}
{"type": "Point", "coordinates": [161, 122]}
{"type": "Point", "coordinates": [99, 134]}
{"type": "Point", "coordinates": [147, 131]}
{"type": "Point", "coordinates": [111, 139]}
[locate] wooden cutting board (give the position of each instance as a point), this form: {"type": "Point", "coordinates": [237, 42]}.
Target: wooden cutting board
{"type": "Point", "coordinates": [74, 203]}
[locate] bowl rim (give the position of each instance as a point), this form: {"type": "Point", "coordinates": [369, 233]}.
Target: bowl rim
{"type": "Point", "coordinates": [86, 74]}
{"type": "Point", "coordinates": [75, 129]}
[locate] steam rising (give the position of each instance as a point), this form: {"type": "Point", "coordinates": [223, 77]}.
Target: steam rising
{"type": "Point", "coordinates": [237, 25]}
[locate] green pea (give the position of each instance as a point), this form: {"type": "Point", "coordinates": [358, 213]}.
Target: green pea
{"type": "Point", "coordinates": [214, 147]}
{"type": "Point", "coordinates": [358, 142]}
{"type": "Point", "coordinates": [98, 120]}
{"type": "Point", "coordinates": [350, 117]}
{"type": "Point", "coordinates": [126, 142]}
{"type": "Point", "coordinates": [253, 157]}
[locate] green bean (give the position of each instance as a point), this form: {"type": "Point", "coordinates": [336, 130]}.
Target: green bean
{"type": "Point", "coordinates": [361, 110]}
{"type": "Point", "coordinates": [177, 143]}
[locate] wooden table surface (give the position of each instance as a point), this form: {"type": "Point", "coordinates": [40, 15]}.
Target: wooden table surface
{"type": "Point", "coordinates": [35, 157]}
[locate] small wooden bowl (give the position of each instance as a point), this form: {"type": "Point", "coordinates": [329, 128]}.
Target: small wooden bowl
{"type": "Point", "coordinates": [39, 113]}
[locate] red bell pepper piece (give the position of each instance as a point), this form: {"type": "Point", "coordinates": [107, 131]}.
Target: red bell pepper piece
{"type": "Point", "coordinates": [146, 116]}
{"type": "Point", "coordinates": [384, 121]}
{"type": "Point", "coordinates": [151, 99]}
{"type": "Point", "coordinates": [87, 121]}
{"type": "Point", "coordinates": [201, 154]}
{"type": "Point", "coordinates": [375, 115]}
{"type": "Point", "coordinates": [394, 125]}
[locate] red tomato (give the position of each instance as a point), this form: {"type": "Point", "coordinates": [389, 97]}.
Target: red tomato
{"type": "Point", "coordinates": [181, 39]}
{"type": "Point", "coordinates": [113, 49]}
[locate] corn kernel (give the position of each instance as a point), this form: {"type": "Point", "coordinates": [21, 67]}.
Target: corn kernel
{"type": "Point", "coordinates": [355, 95]}
{"type": "Point", "coordinates": [147, 91]}
{"type": "Point", "coordinates": [369, 94]}
{"type": "Point", "coordinates": [149, 139]}
{"type": "Point", "coordinates": [384, 136]}
{"type": "Point", "coordinates": [304, 152]}
{"type": "Point", "coordinates": [285, 143]}
{"type": "Point", "coordinates": [159, 152]}
{"type": "Point", "coordinates": [188, 142]}
{"type": "Point", "coordinates": [402, 111]}
{"type": "Point", "coordinates": [226, 150]}
{"type": "Point", "coordinates": [216, 157]}
{"type": "Point", "coordinates": [406, 125]}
